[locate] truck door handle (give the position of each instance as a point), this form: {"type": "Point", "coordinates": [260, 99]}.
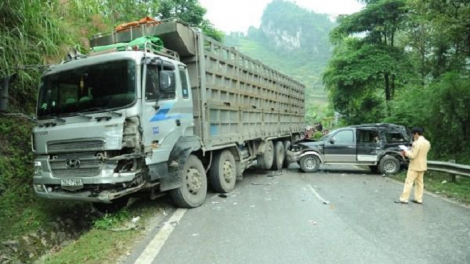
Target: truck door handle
{"type": "Point", "coordinates": [350, 146]}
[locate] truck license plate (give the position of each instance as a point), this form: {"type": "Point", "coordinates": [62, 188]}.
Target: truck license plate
{"type": "Point", "coordinates": [71, 183]}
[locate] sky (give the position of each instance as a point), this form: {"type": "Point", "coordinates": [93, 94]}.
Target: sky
{"type": "Point", "coordinates": [239, 15]}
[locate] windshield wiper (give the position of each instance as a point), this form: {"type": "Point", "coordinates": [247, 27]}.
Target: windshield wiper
{"type": "Point", "coordinates": [108, 117]}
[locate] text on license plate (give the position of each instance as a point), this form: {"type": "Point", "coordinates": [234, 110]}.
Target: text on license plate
{"type": "Point", "coordinates": [71, 182]}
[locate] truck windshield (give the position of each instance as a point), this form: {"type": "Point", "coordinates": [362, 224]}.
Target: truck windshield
{"type": "Point", "coordinates": [96, 87]}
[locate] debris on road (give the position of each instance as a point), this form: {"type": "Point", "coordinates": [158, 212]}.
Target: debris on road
{"type": "Point", "coordinates": [255, 183]}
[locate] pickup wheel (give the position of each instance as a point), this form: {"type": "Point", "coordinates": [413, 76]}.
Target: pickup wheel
{"type": "Point", "coordinates": [389, 165]}
{"type": "Point", "coordinates": [223, 174]}
{"type": "Point", "coordinates": [279, 155]}
{"type": "Point", "coordinates": [287, 145]}
{"type": "Point", "coordinates": [266, 160]}
{"type": "Point", "coordinates": [194, 190]}
{"type": "Point", "coordinates": [309, 163]}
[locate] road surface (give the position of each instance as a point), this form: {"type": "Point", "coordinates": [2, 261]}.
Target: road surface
{"type": "Point", "coordinates": [335, 216]}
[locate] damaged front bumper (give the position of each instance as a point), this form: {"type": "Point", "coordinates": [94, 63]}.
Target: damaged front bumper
{"type": "Point", "coordinates": [293, 156]}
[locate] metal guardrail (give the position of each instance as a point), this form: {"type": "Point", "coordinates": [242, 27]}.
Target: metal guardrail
{"type": "Point", "coordinates": [452, 168]}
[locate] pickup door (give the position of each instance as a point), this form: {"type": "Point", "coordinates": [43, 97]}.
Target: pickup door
{"type": "Point", "coordinates": [340, 147]}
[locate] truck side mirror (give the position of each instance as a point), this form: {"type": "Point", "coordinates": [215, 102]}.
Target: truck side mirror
{"type": "Point", "coordinates": [332, 140]}
{"type": "Point", "coordinates": [4, 85]}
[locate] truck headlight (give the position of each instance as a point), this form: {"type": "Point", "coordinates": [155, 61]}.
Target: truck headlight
{"type": "Point", "coordinates": [37, 168]}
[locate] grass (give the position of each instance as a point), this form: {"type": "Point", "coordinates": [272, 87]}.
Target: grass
{"type": "Point", "coordinates": [111, 237]}
{"type": "Point", "coordinates": [441, 184]}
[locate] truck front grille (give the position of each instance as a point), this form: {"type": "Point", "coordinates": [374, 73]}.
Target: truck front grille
{"type": "Point", "coordinates": [75, 167]}
{"type": "Point", "coordinates": [88, 145]}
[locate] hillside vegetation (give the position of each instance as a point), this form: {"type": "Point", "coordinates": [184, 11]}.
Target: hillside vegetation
{"type": "Point", "coordinates": [407, 62]}
{"type": "Point", "coordinates": [296, 42]}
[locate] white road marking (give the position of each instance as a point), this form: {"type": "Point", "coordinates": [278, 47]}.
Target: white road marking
{"type": "Point", "coordinates": [153, 248]}
{"type": "Point", "coordinates": [317, 195]}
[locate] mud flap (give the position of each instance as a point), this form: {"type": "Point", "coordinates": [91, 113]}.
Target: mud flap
{"type": "Point", "coordinates": [178, 156]}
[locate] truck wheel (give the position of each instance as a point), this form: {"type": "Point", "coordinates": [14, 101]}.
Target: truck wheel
{"type": "Point", "coordinates": [266, 160]}
{"type": "Point", "coordinates": [279, 155]}
{"type": "Point", "coordinates": [194, 190]}
{"type": "Point", "coordinates": [223, 174]}
{"type": "Point", "coordinates": [309, 163]}
{"type": "Point", "coordinates": [287, 145]}
{"type": "Point", "coordinates": [389, 165]}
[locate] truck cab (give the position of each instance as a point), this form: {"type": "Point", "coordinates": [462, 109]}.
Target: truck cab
{"type": "Point", "coordinates": [108, 122]}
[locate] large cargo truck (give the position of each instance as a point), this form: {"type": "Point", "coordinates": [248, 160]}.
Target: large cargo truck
{"type": "Point", "coordinates": [177, 118]}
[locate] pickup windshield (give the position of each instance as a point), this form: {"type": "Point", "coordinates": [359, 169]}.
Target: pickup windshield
{"type": "Point", "coordinates": [98, 87]}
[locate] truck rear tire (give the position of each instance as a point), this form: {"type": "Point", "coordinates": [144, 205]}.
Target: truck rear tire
{"type": "Point", "coordinates": [194, 190]}
{"type": "Point", "coordinates": [223, 174]}
{"type": "Point", "coordinates": [287, 145]}
{"type": "Point", "coordinates": [266, 160]}
{"type": "Point", "coordinates": [279, 155]}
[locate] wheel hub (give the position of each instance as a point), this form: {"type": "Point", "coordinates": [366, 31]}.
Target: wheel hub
{"type": "Point", "coordinates": [193, 179]}
{"type": "Point", "coordinates": [310, 163]}
{"type": "Point", "coordinates": [227, 171]}
{"type": "Point", "coordinates": [389, 166]}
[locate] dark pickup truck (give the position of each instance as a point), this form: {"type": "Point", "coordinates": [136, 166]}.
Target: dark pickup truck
{"type": "Point", "coordinates": [373, 145]}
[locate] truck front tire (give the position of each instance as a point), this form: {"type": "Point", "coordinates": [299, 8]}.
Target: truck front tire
{"type": "Point", "coordinates": [223, 174]}
{"type": "Point", "coordinates": [194, 190]}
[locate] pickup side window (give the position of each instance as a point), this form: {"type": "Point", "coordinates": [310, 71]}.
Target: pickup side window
{"type": "Point", "coordinates": [344, 137]}
{"type": "Point", "coordinates": [368, 136]}
{"type": "Point", "coordinates": [395, 137]}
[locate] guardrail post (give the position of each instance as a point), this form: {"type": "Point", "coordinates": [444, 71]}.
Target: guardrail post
{"type": "Point", "coordinates": [453, 177]}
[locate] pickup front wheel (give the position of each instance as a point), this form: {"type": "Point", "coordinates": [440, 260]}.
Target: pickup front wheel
{"type": "Point", "coordinates": [309, 163]}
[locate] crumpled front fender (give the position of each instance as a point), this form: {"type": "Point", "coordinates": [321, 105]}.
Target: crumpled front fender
{"type": "Point", "coordinates": [296, 156]}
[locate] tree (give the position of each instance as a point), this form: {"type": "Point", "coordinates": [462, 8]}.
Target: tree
{"type": "Point", "coordinates": [366, 58]}
{"type": "Point", "coordinates": [444, 35]}
{"type": "Point", "coordinates": [190, 12]}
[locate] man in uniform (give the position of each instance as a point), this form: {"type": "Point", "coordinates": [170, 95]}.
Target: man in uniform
{"type": "Point", "coordinates": [418, 165]}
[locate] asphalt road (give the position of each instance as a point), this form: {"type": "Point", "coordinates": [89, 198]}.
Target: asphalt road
{"type": "Point", "coordinates": [332, 216]}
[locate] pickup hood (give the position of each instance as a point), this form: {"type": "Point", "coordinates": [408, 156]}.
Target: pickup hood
{"type": "Point", "coordinates": [308, 144]}
{"type": "Point", "coordinates": [89, 135]}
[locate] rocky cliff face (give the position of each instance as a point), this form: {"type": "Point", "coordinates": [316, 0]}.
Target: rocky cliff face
{"type": "Point", "coordinates": [282, 39]}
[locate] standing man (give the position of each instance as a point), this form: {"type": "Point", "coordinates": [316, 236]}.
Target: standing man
{"type": "Point", "coordinates": [418, 155]}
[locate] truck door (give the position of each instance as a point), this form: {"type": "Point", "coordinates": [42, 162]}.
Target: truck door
{"type": "Point", "coordinates": [341, 147]}
{"type": "Point", "coordinates": [167, 109]}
